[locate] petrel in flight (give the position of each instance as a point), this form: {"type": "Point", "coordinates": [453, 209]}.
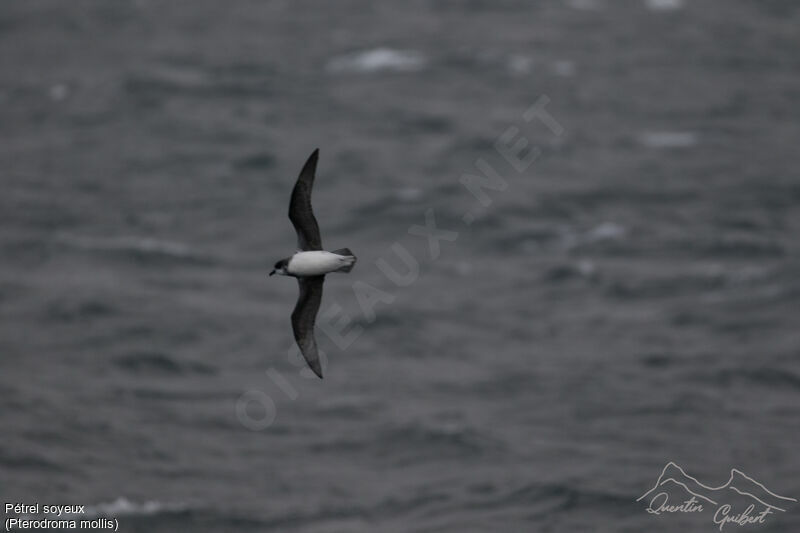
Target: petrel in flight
{"type": "Point", "coordinates": [309, 264]}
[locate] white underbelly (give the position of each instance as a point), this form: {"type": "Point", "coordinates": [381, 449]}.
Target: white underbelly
{"type": "Point", "coordinates": [314, 263]}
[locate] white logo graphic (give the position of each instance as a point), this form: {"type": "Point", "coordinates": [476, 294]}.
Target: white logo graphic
{"type": "Point", "coordinates": [740, 501]}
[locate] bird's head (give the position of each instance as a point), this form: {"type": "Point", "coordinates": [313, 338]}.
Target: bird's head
{"type": "Point", "coordinates": [280, 268]}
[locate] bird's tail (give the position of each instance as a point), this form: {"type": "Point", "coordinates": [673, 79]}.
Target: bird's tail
{"type": "Point", "coordinates": [350, 259]}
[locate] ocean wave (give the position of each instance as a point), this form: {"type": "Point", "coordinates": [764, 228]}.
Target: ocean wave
{"type": "Point", "coordinates": [765, 376]}
{"type": "Point", "coordinates": [160, 363]}
{"type": "Point", "coordinates": [695, 280]}
{"type": "Point", "coordinates": [586, 5]}
{"type": "Point", "coordinates": [378, 60]}
{"type": "Point", "coordinates": [520, 64]}
{"type": "Point", "coordinates": [353, 407]}
{"type": "Point", "coordinates": [28, 461]}
{"type": "Point", "coordinates": [124, 507]}
{"type": "Point", "coordinates": [745, 246]}
{"type": "Point", "coordinates": [70, 311]}
{"type": "Point", "coordinates": [415, 442]}
{"type": "Point", "coordinates": [561, 497]}
{"type": "Point", "coordinates": [603, 232]}
{"type": "Point", "coordinates": [668, 139]}
{"type": "Point", "coordinates": [663, 5]}
{"type": "Point", "coordinates": [565, 237]}
{"type": "Point", "coordinates": [160, 81]}
{"type": "Point", "coordinates": [564, 67]}
{"type": "Point", "coordinates": [141, 247]}
{"type": "Point", "coordinates": [450, 439]}
{"type": "Point", "coordinates": [569, 271]}
{"type": "Point", "coordinates": [256, 161]}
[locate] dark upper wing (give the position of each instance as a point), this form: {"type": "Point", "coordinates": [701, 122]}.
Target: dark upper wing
{"type": "Point", "coordinates": [303, 317]}
{"type": "Point", "coordinates": [300, 212]}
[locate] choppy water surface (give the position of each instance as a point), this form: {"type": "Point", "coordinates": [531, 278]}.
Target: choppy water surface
{"type": "Point", "coordinates": [631, 298]}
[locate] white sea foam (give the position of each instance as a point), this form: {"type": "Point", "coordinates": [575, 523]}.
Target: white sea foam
{"type": "Point", "coordinates": [121, 507]}
{"type": "Point", "coordinates": [377, 60]}
{"type": "Point", "coordinates": [606, 230]}
{"type": "Point", "coordinates": [125, 507]}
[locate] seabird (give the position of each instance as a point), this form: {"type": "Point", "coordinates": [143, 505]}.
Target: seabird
{"type": "Point", "coordinates": [309, 264]}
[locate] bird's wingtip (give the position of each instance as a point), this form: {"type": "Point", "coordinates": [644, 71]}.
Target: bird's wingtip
{"type": "Point", "coordinates": [310, 167]}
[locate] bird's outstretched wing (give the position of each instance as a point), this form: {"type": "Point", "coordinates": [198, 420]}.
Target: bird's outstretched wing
{"type": "Point", "coordinates": [300, 212]}
{"type": "Point", "coordinates": [303, 317]}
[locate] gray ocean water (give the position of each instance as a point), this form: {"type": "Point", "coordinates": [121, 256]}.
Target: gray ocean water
{"type": "Point", "coordinates": [629, 299]}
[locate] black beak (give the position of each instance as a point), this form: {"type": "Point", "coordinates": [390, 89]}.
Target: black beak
{"type": "Point", "coordinates": [271, 273]}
